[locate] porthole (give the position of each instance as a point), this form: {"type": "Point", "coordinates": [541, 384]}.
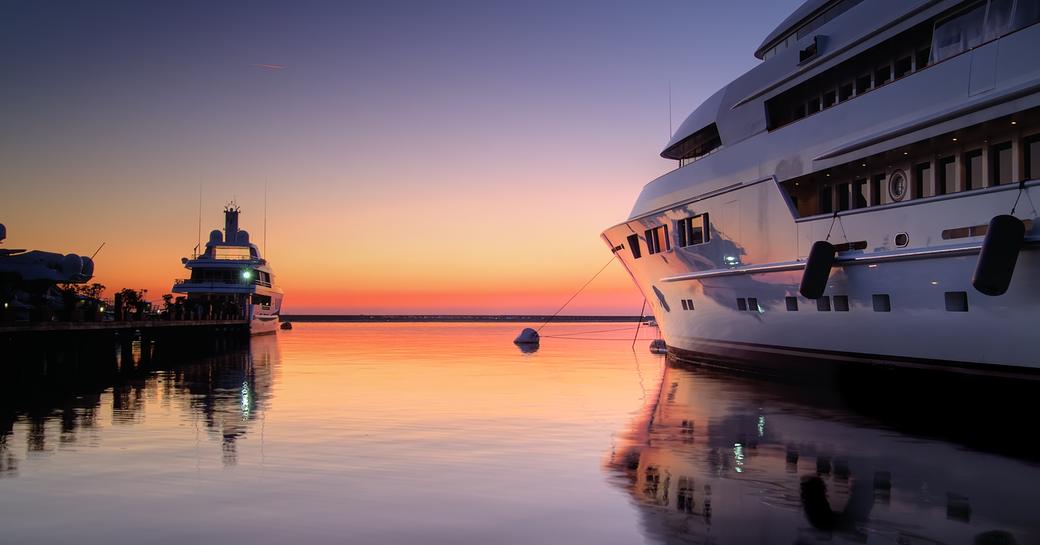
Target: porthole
{"type": "Point", "coordinates": [897, 186]}
{"type": "Point", "coordinates": [902, 239]}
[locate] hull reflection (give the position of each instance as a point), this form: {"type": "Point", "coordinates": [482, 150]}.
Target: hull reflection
{"type": "Point", "coordinates": [727, 459]}
{"type": "Point", "coordinates": [227, 394]}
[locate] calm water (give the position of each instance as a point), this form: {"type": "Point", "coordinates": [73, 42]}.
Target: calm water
{"type": "Point", "coordinates": [446, 433]}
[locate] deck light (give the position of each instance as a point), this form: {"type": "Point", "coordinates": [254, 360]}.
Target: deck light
{"type": "Point", "coordinates": [1014, 122]}
{"type": "Point", "coordinates": [247, 274]}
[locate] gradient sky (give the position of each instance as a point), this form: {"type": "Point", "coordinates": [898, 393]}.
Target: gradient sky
{"type": "Point", "coordinates": [427, 157]}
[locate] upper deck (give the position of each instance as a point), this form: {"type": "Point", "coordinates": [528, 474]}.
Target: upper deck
{"type": "Point", "coordinates": [843, 80]}
{"type": "Point", "coordinates": [230, 263]}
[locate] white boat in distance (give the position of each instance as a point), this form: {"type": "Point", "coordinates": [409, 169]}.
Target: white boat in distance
{"type": "Point", "coordinates": [230, 279]}
{"type": "Point", "coordinates": [867, 194]}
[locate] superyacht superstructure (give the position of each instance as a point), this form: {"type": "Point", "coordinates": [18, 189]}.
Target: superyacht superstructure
{"type": "Point", "coordinates": [231, 280]}
{"type": "Point", "coordinates": [867, 193]}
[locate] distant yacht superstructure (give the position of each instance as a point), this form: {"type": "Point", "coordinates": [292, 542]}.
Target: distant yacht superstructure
{"type": "Point", "coordinates": [230, 279]}
{"type": "Point", "coordinates": [868, 193]}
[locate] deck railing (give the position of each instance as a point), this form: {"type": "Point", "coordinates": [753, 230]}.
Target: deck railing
{"type": "Point", "coordinates": [255, 281]}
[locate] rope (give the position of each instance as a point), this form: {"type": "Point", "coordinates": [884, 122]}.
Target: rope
{"type": "Point", "coordinates": [834, 218]}
{"type": "Point", "coordinates": [558, 311]}
{"type": "Point", "coordinates": [587, 332]}
{"type": "Point", "coordinates": [565, 338]}
{"type": "Point", "coordinates": [837, 218]}
{"type": "Point", "coordinates": [1021, 189]}
{"type": "Point", "coordinates": [641, 311]}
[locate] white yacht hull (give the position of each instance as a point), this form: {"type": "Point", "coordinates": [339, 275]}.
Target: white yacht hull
{"type": "Point", "coordinates": [263, 325]}
{"type": "Point", "coordinates": [265, 321]}
{"type": "Point", "coordinates": [871, 129]}
{"type": "Point", "coordinates": [759, 257]}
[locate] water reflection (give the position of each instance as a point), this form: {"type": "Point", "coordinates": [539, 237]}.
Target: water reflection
{"type": "Point", "coordinates": [720, 458]}
{"type": "Point", "coordinates": [49, 413]}
{"type": "Point", "coordinates": [446, 433]}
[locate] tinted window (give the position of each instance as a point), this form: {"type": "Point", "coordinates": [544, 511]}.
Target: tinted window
{"type": "Point", "coordinates": [1027, 12]}
{"type": "Point", "coordinates": [863, 84]}
{"type": "Point", "coordinates": [693, 230]}
{"type": "Point", "coordinates": [1032, 149]}
{"type": "Point", "coordinates": [843, 196]}
{"type": "Point", "coordinates": [633, 244]}
{"type": "Point", "coordinates": [922, 180]}
{"type": "Point", "coordinates": [947, 175]}
{"type": "Point", "coordinates": [859, 193]}
{"type": "Point", "coordinates": [973, 169]}
{"type": "Point", "coordinates": [958, 34]}
{"type": "Point", "coordinates": [875, 189]}
{"type": "Point", "coordinates": [883, 75]}
{"type": "Point", "coordinates": [826, 206]}
{"type": "Point", "coordinates": [1001, 157]}
{"type": "Point", "coordinates": [998, 19]}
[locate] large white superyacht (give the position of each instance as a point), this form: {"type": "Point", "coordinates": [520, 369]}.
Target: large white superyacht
{"type": "Point", "coordinates": [867, 193]}
{"type": "Point", "coordinates": [230, 279]}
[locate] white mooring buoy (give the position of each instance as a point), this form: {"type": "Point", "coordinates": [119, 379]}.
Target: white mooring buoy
{"type": "Point", "coordinates": [527, 337]}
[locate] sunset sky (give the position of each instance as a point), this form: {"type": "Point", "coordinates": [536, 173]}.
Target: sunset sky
{"type": "Point", "coordinates": [421, 157]}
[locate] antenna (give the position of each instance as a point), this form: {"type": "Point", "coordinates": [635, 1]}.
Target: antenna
{"type": "Point", "coordinates": [198, 242]}
{"type": "Point", "coordinates": [265, 216]}
{"type": "Point", "coordinates": [98, 250]}
{"type": "Point", "coordinates": [670, 109]}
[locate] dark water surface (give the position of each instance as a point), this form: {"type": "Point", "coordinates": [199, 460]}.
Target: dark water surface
{"type": "Point", "coordinates": [446, 433]}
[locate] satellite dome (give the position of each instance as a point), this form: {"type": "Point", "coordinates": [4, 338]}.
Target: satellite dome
{"type": "Point", "coordinates": [71, 264]}
{"type": "Point", "coordinates": [88, 266]}
{"type": "Point", "coordinates": [216, 237]}
{"type": "Point", "coordinates": [242, 237]}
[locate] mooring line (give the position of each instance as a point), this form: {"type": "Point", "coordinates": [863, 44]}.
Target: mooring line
{"type": "Point", "coordinates": [612, 258]}
{"type": "Point", "coordinates": [587, 332]}
{"type": "Point", "coordinates": [626, 339]}
{"type": "Point", "coordinates": [636, 336]}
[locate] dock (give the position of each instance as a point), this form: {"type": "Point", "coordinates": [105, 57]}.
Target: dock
{"type": "Point", "coordinates": [48, 346]}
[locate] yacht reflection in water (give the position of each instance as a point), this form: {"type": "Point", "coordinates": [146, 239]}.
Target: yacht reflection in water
{"type": "Point", "coordinates": [230, 392]}
{"type": "Point", "coordinates": [42, 415]}
{"type": "Point", "coordinates": [723, 459]}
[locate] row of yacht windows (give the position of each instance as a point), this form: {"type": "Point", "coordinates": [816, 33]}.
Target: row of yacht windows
{"type": "Point", "coordinates": [902, 56]}
{"type": "Point", "coordinates": [955, 301]}
{"type": "Point", "coordinates": [816, 22]}
{"type": "Point", "coordinates": [828, 95]}
{"type": "Point", "coordinates": [689, 232]}
{"type": "Point", "coordinates": [230, 276]}
{"type": "Point", "coordinates": [866, 72]}
{"type": "Point", "coordinates": [945, 173]}
{"type": "Point", "coordinates": [881, 302]}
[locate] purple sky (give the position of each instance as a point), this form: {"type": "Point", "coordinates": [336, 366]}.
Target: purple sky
{"type": "Point", "coordinates": [392, 127]}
